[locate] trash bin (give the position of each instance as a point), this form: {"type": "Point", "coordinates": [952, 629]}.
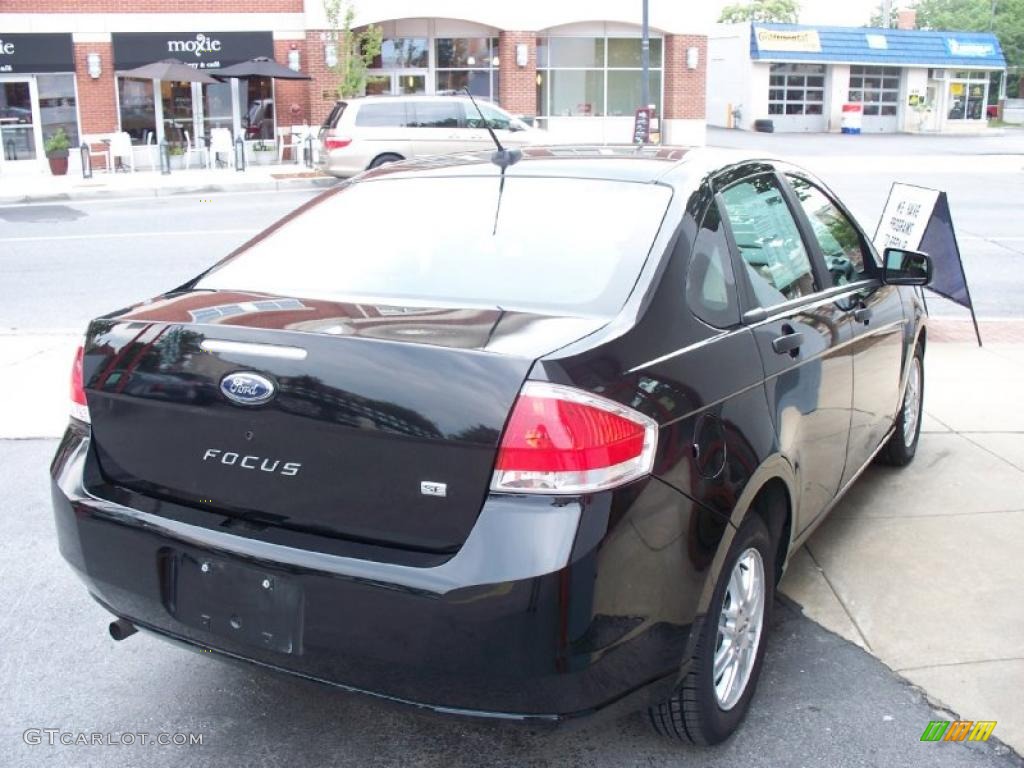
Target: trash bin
{"type": "Point", "coordinates": [852, 118]}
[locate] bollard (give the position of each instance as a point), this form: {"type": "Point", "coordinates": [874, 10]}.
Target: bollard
{"type": "Point", "coordinates": [86, 161]}
{"type": "Point", "coordinates": [165, 158]}
{"type": "Point", "coordinates": [239, 154]}
{"type": "Point", "coordinates": [307, 151]}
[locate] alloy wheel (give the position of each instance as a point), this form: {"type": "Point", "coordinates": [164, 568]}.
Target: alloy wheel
{"type": "Point", "coordinates": [739, 628]}
{"type": "Point", "coordinates": [912, 403]}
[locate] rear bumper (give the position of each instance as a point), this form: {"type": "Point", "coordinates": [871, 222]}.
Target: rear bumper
{"type": "Point", "coordinates": [541, 615]}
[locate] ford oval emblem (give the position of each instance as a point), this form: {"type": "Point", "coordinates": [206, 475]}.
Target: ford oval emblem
{"type": "Point", "coordinates": [246, 388]}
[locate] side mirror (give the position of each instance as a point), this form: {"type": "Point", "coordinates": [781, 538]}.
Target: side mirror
{"type": "Point", "coordinates": [906, 267]}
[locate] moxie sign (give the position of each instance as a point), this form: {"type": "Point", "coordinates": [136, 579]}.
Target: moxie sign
{"type": "Point", "coordinates": [29, 54]}
{"type": "Point", "coordinates": [204, 50]}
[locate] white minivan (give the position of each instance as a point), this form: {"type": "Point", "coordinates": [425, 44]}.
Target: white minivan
{"type": "Point", "coordinates": [368, 132]}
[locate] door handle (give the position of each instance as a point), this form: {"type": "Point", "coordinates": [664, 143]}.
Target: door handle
{"type": "Point", "coordinates": [789, 343]}
{"type": "Point", "coordinates": [862, 315]}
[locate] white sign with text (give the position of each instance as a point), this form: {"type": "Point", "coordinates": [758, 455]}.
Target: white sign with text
{"type": "Point", "coordinates": [905, 218]}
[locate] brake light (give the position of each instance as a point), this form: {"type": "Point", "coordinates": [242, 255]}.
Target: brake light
{"type": "Point", "coordinates": [563, 440]}
{"type": "Point", "coordinates": [79, 406]}
{"type": "Point", "coordinates": [336, 143]}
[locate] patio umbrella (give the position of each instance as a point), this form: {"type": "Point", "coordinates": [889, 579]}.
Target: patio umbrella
{"type": "Point", "coordinates": [261, 66]}
{"type": "Point", "coordinates": [170, 69]}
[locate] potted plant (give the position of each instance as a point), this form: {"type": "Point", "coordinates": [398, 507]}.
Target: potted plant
{"type": "Point", "coordinates": [56, 148]}
{"type": "Point", "coordinates": [176, 152]}
{"type": "Point", "coordinates": [262, 153]}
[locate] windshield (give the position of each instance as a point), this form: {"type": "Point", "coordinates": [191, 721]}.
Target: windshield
{"type": "Point", "coordinates": [567, 246]}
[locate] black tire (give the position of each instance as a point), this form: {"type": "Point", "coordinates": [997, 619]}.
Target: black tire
{"type": "Point", "coordinates": [900, 450]}
{"type": "Point", "coordinates": [380, 160]}
{"type": "Point", "coordinates": [693, 713]}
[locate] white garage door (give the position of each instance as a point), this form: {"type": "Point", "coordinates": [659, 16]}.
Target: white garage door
{"type": "Point", "coordinates": [879, 90]}
{"type": "Point", "coordinates": [796, 97]}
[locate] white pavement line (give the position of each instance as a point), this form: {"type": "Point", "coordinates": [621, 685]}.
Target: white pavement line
{"type": "Point", "coordinates": [105, 235]}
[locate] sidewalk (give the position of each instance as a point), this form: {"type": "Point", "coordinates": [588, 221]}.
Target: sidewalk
{"type": "Point", "coordinates": [921, 566]}
{"type": "Point", "coordinates": [46, 188]}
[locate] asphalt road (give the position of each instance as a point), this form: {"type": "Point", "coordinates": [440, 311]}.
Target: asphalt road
{"type": "Point", "coordinates": [65, 263]}
{"type": "Point", "coordinates": [822, 701]}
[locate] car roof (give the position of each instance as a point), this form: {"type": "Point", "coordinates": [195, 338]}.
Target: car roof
{"type": "Point", "coordinates": [414, 97]}
{"type": "Point", "coordinates": [672, 165]}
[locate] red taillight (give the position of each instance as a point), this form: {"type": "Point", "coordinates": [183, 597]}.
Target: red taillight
{"type": "Point", "coordinates": [562, 440]}
{"type": "Point", "coordinates": [79, 407]}
{"type": "Point", "coordinates": [336, 143]}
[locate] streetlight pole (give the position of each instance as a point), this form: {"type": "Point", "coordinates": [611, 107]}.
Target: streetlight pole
{"type": "Point", "coordinates": [645, 60]}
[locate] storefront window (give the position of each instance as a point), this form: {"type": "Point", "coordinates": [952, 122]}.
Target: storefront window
{"type": "Point", "coordinates": [216, 106]}
{"type": "Point", "coordinates": [878, 88]}
{"type": "Point", "coordinates": [176, 99]}
{"type": "Point", "coordinates": [16, 128]}
{"type": "Point", "coordinates": [796, 89]}
{"type": "Point", "coordinates": [138, 108]}
{"type": "Point", "coordinates": [968, 95]}
{"type": "Point", "coordinates": [402, 53]}
{"type": "Point", "coordinates": [467, 62]}
{"type": "Point", "coordinates": [256, 95]}
{"type": "Point", "coordinates": [594, 77]}
{"type": "Point", "coordinates": [57, 105]}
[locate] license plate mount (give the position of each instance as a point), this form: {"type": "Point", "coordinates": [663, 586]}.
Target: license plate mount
{"type": "Point", "coordinates": [238, 601]}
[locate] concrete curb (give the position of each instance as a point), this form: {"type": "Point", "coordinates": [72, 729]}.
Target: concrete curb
{"type": "Point", "coordinates": [271, 185]}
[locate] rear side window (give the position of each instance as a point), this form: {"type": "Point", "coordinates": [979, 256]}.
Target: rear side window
{"type": "Point", "coordinates": [583, 261]}
{"type": "Point", "coordinates": [435, 114]}
{"type": "Point", "coordinates": [381, 114]}
{"type": "Point", "coordinates": [769, 241]}
{"type": "Point", "coordinates": [710, 283]}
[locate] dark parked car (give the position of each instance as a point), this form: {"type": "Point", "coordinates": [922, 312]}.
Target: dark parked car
{"type": "Point", "coordinates": [538, 447]}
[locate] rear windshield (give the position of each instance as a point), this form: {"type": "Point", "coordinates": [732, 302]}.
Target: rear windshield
{"type": "Point", "coordinates": [569, 246]}
{"type": "Point", "coordinates": [336, 112]}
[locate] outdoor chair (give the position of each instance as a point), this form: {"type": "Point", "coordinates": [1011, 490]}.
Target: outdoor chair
{"type": "Point", "coordinates": [221, 144]}
{"type": "Point", "coordinates": [99, 146]}
{"type": "Point", "coordinates": [194, 148]}
{"type": "Point", "coordinates": [150, 148]}
{"type": "Point", "coordinates": [121, 150]}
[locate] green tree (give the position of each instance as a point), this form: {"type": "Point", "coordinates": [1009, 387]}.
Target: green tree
{"type": "Point", "coordinates": [783, 11]}
{"type": "Point", "coordinates": [356, 48]}
{"type": "Point", "coordinates": [1004, 17]}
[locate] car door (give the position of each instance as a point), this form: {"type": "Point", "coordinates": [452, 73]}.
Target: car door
{"type": "Point", "coordinates": [438, 127]}
{"type": "Point", "coordinates": [803, 333]}
{"type": "Point", "coordinates": [878, 315]}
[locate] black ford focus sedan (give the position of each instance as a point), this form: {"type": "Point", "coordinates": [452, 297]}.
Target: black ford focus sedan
{"type": "Point", "coordinates": [522, 441]}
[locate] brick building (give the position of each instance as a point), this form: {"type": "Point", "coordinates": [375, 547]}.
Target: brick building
{"type": "Point", "coordinates": [572, 65]}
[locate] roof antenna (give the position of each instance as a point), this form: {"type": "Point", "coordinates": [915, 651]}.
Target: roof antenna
{"type": "Point", "coordinates": [503, 158]}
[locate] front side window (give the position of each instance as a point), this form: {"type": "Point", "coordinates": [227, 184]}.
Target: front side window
{"type": "Point", "coordinates": [837, 236]}
{"type": "Point", "coordinates": [710, 283]}
{"type": "Point", "coordinates": [498, 120]}
{"type": "Point", "coordinates": [767, 236]}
